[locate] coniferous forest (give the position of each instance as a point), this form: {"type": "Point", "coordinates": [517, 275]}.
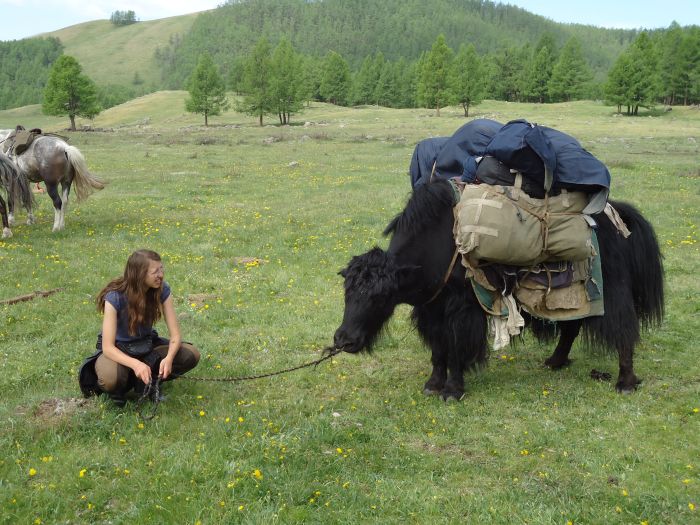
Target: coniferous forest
{"type": "Point", "coordinates": [405, 53]}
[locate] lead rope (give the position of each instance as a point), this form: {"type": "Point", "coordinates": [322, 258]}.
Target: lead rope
{"type": "Point", "coordinates": [153, 388]}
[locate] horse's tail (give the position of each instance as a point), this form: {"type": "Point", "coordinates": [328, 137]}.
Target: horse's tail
{"type": "Point", "coordinates": [85, 182]}
{"type": "Point", "coordinates": [646, 264]}
{"type": "Point", "coordinates": [16, 183]}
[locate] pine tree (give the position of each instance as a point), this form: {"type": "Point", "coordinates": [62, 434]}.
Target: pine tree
{"type": "Point", "coordinates": [538, 75]}
{"type": "Point", "coordinates": [434, 83]}
{"type": "Point", "coordinates": [618, 85]}
{"type": "Point", "coordinates": [256, 82]}
{"type": "Point", "coordinates": [644, 83]}
{"type": "Point", "coordinates": [570, 75]}
{"type": "Point", "coordinates": [467, 78]}
{"type": "Point", "coordinates": [207, 90]}
{"type": "Point", "coordinates": [286, 74]}
{"type": "Point", "coordinates": [69, 92]}
{"type": "Point", "coordinates": [335, 79]}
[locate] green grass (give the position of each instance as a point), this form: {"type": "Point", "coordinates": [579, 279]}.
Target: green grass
{"type": "Point", "coordinates": [354, 440]}
{"type": "Point", "coordinates": [112, 55]}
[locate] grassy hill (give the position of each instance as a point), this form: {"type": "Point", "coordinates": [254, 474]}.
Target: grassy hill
{"type": "Point", "coordinates": [113, 55]}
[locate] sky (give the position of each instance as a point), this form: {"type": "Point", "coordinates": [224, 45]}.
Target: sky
{"type": "Point", "coordinates": [25, 18]}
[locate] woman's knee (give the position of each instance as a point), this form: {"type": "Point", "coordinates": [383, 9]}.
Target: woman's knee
{"type": "Point", "coordinates": [187, 357]}
{"type": "Point", "coordinates": [111, 376]}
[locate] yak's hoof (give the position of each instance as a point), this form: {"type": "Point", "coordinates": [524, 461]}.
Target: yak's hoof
{"type": "Point", "coordinates": [627, 387]}
{"type": "Point", "coordinates": [556, 364]}
{"type": "Point", "coordinates": [452, 396]}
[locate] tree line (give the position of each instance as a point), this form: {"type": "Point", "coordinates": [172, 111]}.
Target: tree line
{"type": "Point", "coordinates": [278, 81]}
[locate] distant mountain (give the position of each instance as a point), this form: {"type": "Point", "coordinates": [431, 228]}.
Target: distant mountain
{"type": "Point", "coordinates": [160, 54]}
{"type": "Point", "coordinates": [357, 28]}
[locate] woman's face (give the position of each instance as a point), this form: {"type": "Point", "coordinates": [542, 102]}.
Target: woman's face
{"type": "Point", "coordinates": [154, 275]}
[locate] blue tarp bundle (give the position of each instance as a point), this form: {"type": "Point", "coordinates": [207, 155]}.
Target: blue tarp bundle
{"type": "Point", "coordinates": [551, 158]}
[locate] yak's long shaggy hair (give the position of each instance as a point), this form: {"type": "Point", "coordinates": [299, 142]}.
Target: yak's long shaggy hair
{"type": "Point", "coordinates": [452, 323]}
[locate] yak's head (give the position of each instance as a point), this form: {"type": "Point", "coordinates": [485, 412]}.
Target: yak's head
{"type": "Point", "coordinates": [373, 287]}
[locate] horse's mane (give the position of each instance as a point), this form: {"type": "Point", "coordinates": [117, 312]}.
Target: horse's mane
{"type": "Point", "coordinates": [428, 204]}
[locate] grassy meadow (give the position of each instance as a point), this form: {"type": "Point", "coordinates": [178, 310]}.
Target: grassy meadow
{"type": "Point", "coordinates": [253, 224]}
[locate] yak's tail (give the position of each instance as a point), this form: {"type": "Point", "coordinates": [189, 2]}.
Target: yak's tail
{"type": "Point", "coordinates": [646, 262]}
{"type": "Point", "coordinates": [85, 182]}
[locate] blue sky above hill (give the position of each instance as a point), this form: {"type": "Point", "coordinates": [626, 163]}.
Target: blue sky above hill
{"type": "Point", "coordinates": [25, 18]}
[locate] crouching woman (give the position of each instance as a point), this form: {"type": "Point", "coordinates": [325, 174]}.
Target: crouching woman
{"type": "Point", "coordinates": [130, 353]}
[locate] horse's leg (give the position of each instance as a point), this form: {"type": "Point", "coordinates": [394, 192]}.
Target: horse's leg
{"type": "Point", "coordinates": [6, 232]}
{"type": "Point", "coordinates": [568, 331]}
{"type": "Point", "coordinates": [10, 208]}
{"type": "Point", "coordinates": [64, 206]}
{"type": "Point", "coordinates": [52, 190]}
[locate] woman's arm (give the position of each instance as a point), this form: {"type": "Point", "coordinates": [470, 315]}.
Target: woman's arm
{"type": "Point", "coordinates": [166, 365]}
{"type": "Point", "coordinates": [110, 350]}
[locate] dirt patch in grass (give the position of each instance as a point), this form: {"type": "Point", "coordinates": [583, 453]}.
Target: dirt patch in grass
{"type": "Point", "coordinates": [55, 408]}
{"type": "Point", "coordinates": [199, 299]}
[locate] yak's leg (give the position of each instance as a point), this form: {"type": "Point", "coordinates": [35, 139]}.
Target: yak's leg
{"type": "Point", "coordinates": [52, 190]}
{"type": "Point", "coordinates": [454, 386]}
{"type": "Point", "coordinates": [437, 379]}
{"type": "Point", "coordinates": [568, 331]}
{"type": "Point", "coordinates": [627, 381]}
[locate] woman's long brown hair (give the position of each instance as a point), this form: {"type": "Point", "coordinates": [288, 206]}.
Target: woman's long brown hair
{"type": "Point", "coordinates": [143, 302]}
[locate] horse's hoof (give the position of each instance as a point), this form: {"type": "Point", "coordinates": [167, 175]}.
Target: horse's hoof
{"type": "Point", "coordinates": [430, 392]}
{"type": "Point", "coordinates": [6, 233]}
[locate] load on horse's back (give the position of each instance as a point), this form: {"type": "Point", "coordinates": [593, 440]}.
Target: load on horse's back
{"type": "Point", "coordinates": [51, 160]}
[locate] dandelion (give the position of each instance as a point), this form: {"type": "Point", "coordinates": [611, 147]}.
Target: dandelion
{"type": "Point", "coordinates": [257, 474]}
{"type": "Point", "coordinates": [240, 507]}
{"type": "Point", "coordinates": [122, 441]}
{"type": "Point", "coordinates": [524, 452]}
{"type": "Point", "coordinates": [691, 506]}
{"type": "Point", "coordinates": [32, 472]}
{"type": "Point", "coordinates": [82, 473]}
{"type": "Point", "coordinates": [339, 450]}
{"type": "Point", "coordinates": [624, 492]}
{"type": "Point", "coordinates": [241, 419]}
{"type": "Point", "coordinates": [202, 413]}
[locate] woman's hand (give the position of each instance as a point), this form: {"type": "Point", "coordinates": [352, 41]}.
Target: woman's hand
{"type": "Point", "coordinates": [143, 372]}
{"type": "Point", "coordinates": [166, 367]}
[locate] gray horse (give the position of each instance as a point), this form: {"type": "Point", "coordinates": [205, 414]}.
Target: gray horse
{"type": "Point", "coordinates": [51, 160]}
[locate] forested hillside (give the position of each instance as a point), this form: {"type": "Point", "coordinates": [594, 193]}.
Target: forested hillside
{"type": "Point", "coordinates": [376, 52]}
{"type": "Point", "coordinates": [24, 68]}
{"type": "Point", "coordinates": [356, 29]}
